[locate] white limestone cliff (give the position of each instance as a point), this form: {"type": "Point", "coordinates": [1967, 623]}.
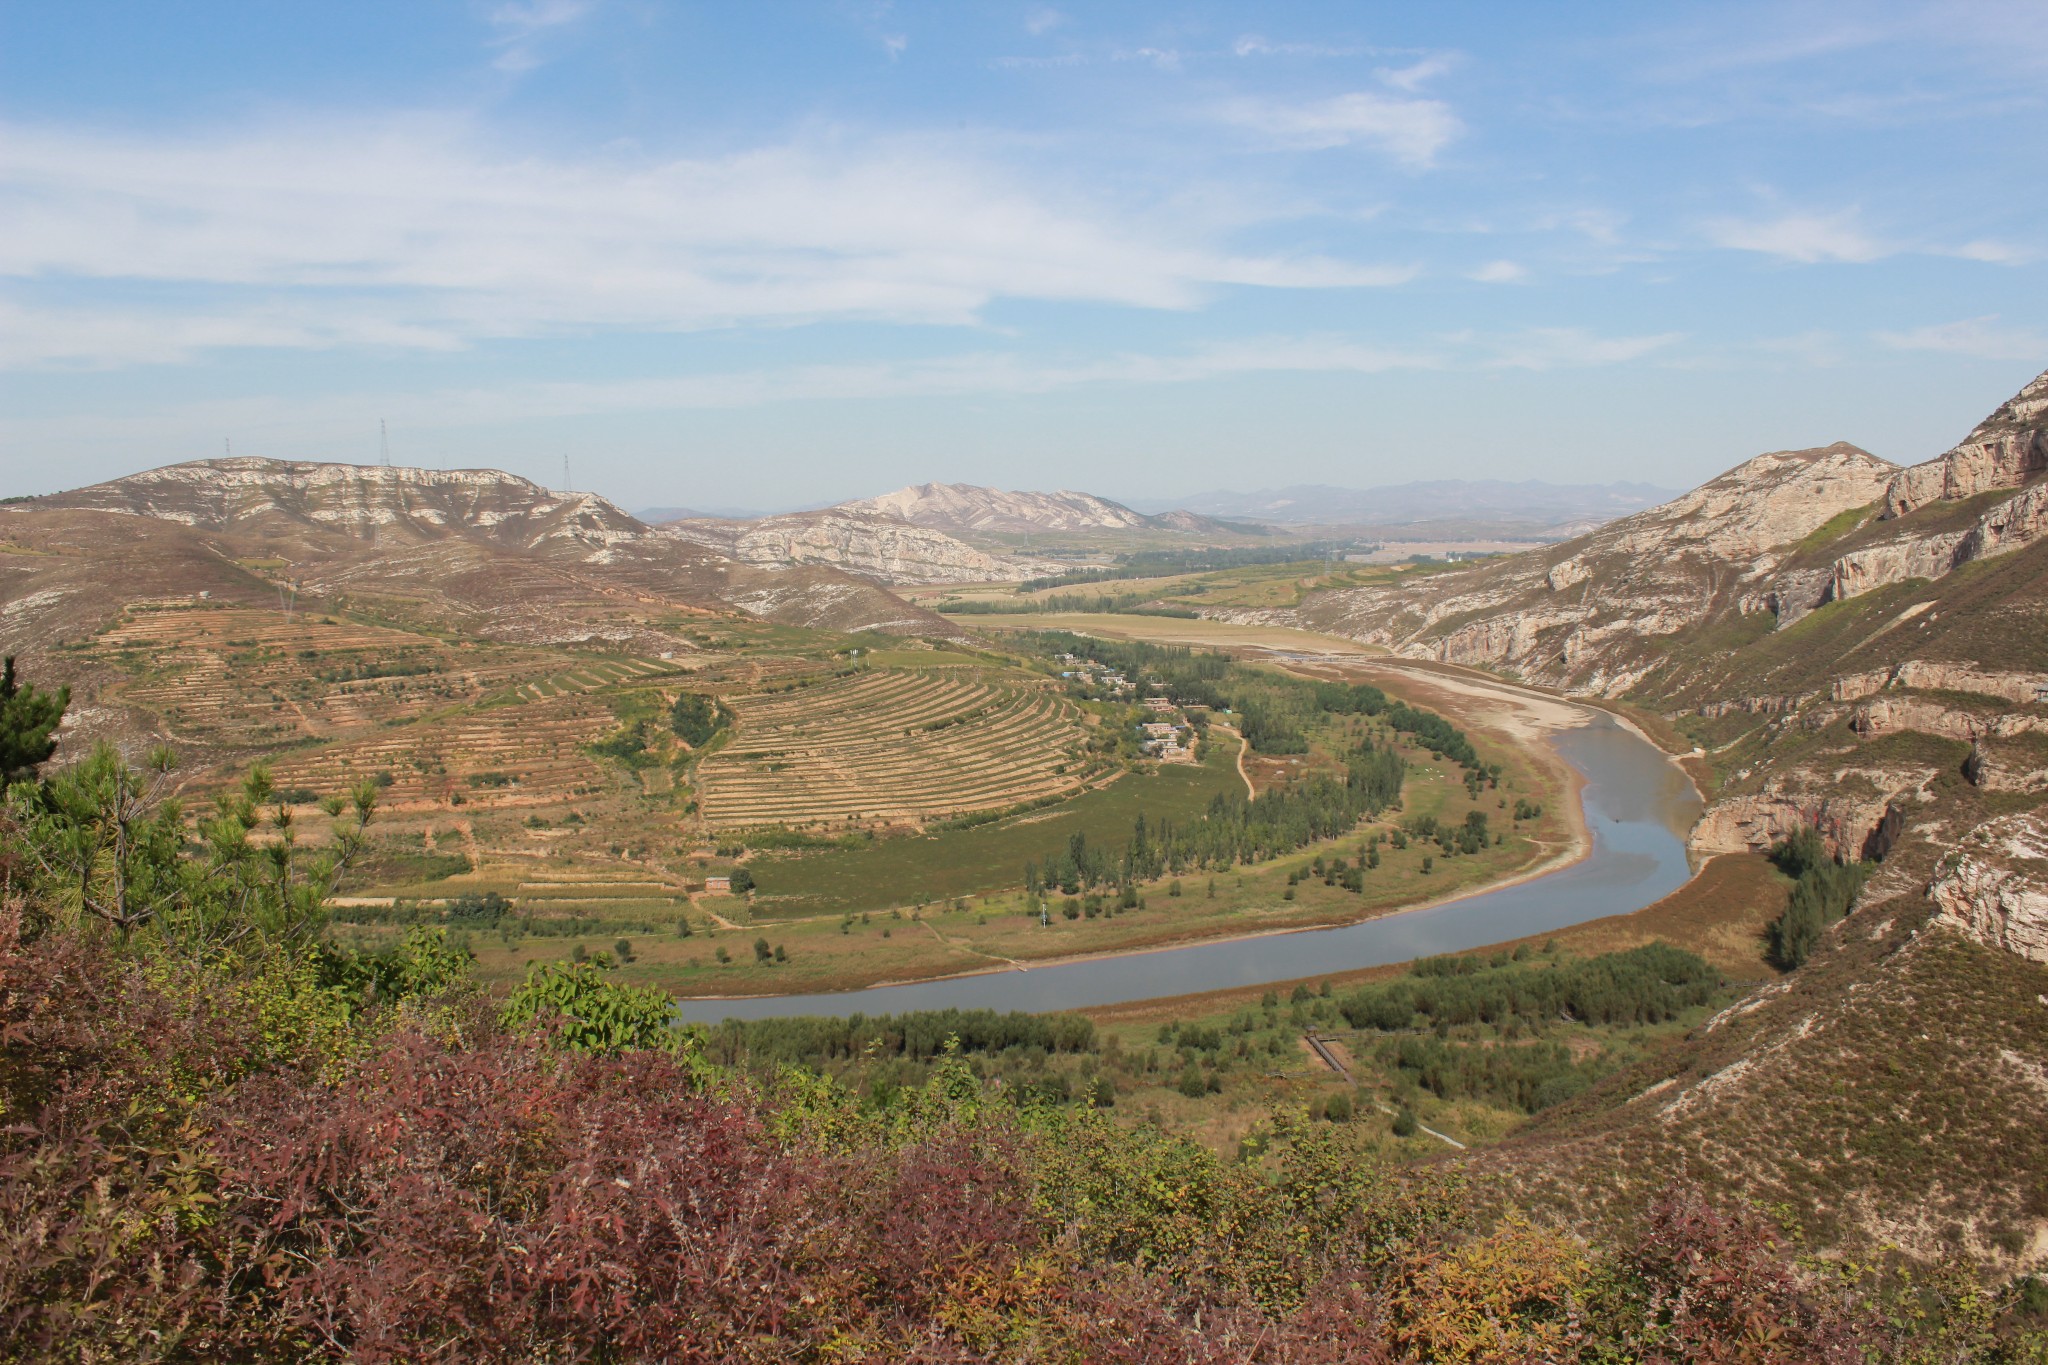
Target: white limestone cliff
{"type": "Point", "coordinates": [1994, 886]}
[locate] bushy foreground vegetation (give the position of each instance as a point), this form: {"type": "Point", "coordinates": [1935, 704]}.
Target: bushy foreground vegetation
{"type": "Point", "coordinates": [224, 1138]}
{"type": "Point", "coordinates": [255, 1161]}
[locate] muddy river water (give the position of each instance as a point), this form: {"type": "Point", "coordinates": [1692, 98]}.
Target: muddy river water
{"type": "Point", "coordinates": [1638, 806]}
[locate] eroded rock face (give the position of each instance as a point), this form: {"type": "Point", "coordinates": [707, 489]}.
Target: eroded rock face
{"type": "Point", "coordinates": [1854, 827]}
{"type": "Point", "coordinates": [2019, 688]}
{"type": "Point", "coordinates": [2006, 450]}
{"type": "Point", "coordinates": [2017, 521]}
{"type": "Point", "coordinates": [1578, 617]}
{"type": "Point", "coordinates": [1999, 767]}
{"type": "Point", "coordinates": [877, 547]}
{"type": "Point", "coordinates": [369, 502]}
{"type": "Point", "coordinates": [1994, 887]}
{"type": "Point", "coordinates": [961, 507]}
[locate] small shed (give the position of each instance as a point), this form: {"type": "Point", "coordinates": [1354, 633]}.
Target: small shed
{"type": "Point", "coordinates": [718, 886]}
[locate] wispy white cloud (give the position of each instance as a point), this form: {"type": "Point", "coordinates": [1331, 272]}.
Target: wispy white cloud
{"type": "Point", "coordinates": [112, 337]}
{"type": "Point", "coordinates": [975, 374]}
{"type": "Point", "coordinates": [1256, 45]}
{"type": "Point", "coordinates": [1995, 253]}
{"type": "Point", "coordinates": [1165, 58]}
{"type": "Point", "coordinates": [1028, 63]}
{"type": "Point", "coordinates": [410, 231]}
{"type": "Point", "coordinates": [1808, 238]}
{"type": "Point", "coordinates": [1413, 77]}
{"type": "Point", "coordinates": [1412, 131]}
{"type": "Point", "coordinates": [521, 27]}
{"type": "Point", "coordinates": [1568, 348]}
{"type": "Point", "coordinates": [1042, 20]}
{"type": "Point", "coordinates": [1500, 272]}
{"type": "Point", "coordinates": [1983, 338]}
{"type": "Point", "coordinates": [1814, 238]}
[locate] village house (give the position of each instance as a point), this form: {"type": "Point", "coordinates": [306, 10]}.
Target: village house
{"type": "Point", "coordinates": [718, 886]}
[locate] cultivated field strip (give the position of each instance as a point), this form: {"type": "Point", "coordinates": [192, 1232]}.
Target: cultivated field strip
{"type": "Point", "coordinates": [233, 677]}
{"type": "Point", "coordinates": [889, 747]}
{"type": "Point", "coordinates": [589, 676]}
{"type": "Point", "coordinates": [499, 756]}
{"type": "Point", "coordinates": [243, 678]}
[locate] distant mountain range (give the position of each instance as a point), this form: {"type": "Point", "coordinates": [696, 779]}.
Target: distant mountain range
{"type": "Point", "coordinates": [1453, 507]}
{"type": "Point", "coordinates": [474, 551]}
{"type": "Point", "coordinates": [1532, 503]}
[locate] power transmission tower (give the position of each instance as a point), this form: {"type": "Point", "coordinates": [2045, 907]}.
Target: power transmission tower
{"type": "Point", "coordinates": [384, 441]}
{"type": "Point", "coordinates": [228, 443]}
{"type": "Point", "coordinates": [566, 486]}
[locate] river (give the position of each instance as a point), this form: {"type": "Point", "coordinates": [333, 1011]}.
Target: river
{"type": "Point", "coordinates": [1638, 807]}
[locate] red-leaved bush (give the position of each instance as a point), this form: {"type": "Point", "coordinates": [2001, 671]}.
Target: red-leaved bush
{"type": "Point", "coordinates": [170, 1190]}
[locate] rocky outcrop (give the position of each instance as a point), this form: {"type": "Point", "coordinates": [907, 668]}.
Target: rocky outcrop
{"type": "Point", "coordinates": [2017, 521]}
{"type": "Point", "coordinates": [960, 508]}
{"type": "Point", "coordinates": [1932, 675]}
{"type": "Point", "coordinates": [1890, 715]}
{"type": "Point", "coordinates": [374, 503]}
{"type": "Point", "coordinates": [1582, 616]}
{"type": "Point", "coordinates": [1994, 887]}
{"type": "Point", "coordinates": [1996, 767]}
{"type": "Point", "coordinates": [2006, 450]}
{"type": "Point", "coordinates": [1755, 706]}
{"type": "Point", "coordinates": [964, 509]}
{"type": "Point", "coordinates": [1854, 827]}
{"type": "Point", "coordinates": [877, 547]}
{"type": "Point", "coordinates": [1791, 595]}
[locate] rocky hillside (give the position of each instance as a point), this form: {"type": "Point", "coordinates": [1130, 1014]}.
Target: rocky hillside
{"type": "Point", "coordinates": [1581, 615]}
{"type": "Point", "coordinates": [366, 502]}
{"type": "Point", "coordinates": [468, 551]}
{"type": "Point", "coordinates": [870, 545]}
{"type": "Point", "coordinates": [1769, 542]}
{"type": "Point", "coordinates": [962, 509]}
{"type": "Point", "coordinates": [1861, 650]}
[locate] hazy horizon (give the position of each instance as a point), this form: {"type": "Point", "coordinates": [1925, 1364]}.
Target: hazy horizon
{"type": "Point", "coordinates": [732, 257]}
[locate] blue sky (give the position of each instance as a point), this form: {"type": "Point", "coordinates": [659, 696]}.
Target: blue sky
{"type": "Point", "coordinates": [782, 253]}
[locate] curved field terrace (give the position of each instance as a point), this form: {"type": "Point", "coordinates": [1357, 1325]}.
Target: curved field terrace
{"type": "Point", "coordinates": [891, 747]}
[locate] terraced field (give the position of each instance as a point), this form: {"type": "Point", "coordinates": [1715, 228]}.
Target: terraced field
{"type": "Point", "coordinates": [591, 676]}
{"type": "Point", "coordinates": [496, 756]}
{"type": "Point", "coordinates": [238, 677]}
{"type": "Point", "coordinates": [889, 747]}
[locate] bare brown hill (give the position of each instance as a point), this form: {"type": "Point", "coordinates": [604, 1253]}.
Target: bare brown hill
{"type": "Point", "coordinates": [465, 551]}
